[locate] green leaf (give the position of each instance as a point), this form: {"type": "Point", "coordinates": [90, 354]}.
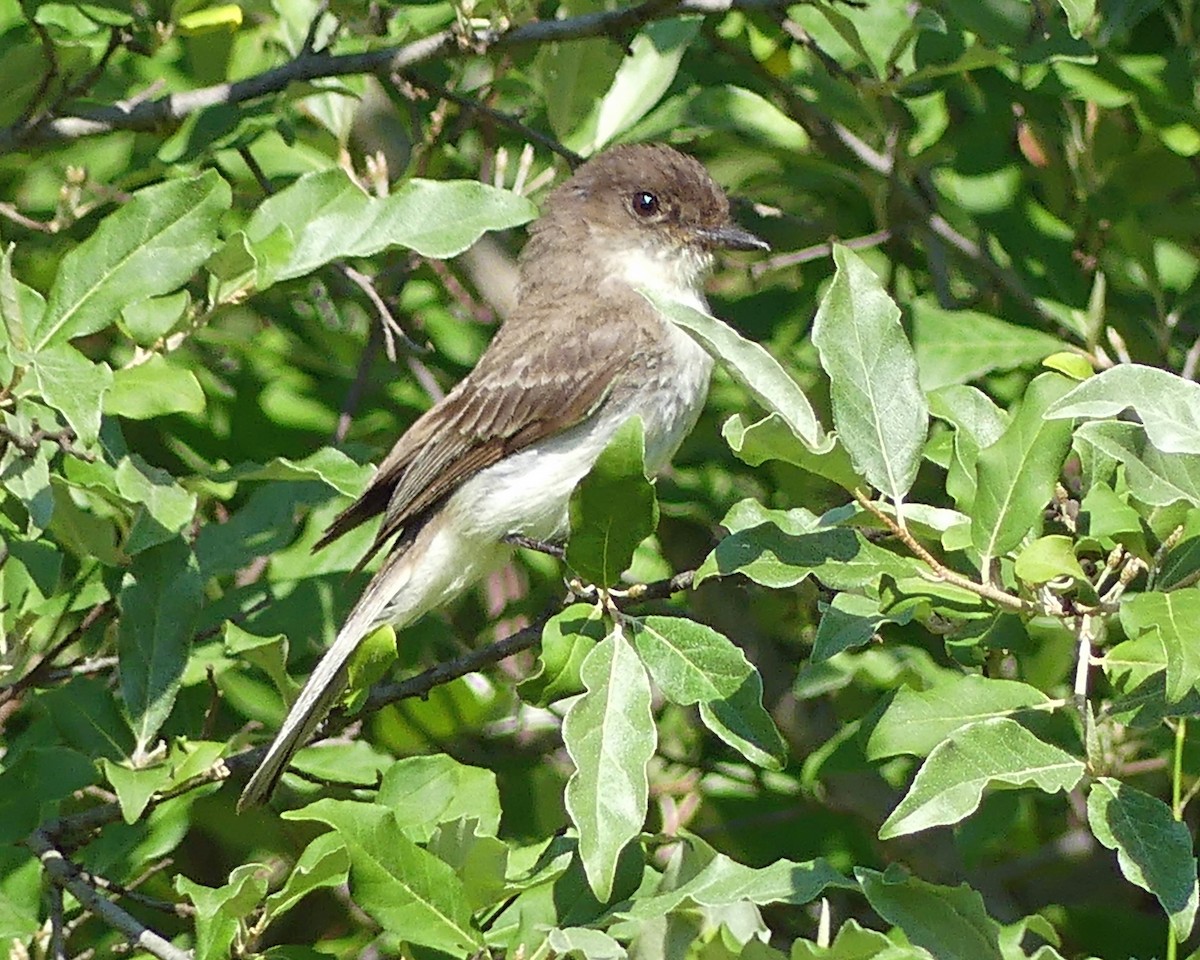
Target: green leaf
{"type": "Point", "coordinates": [916, 721]}
{"type": "Point", "coordinates": [479, 858]}
{"type": "Point", "coordinates": [19, 307]}
{"type": "Point", "coordinates": [331, 216]}
{"type": "Point", "coordinates": [324, 863]}
{"type": "Point", "coordinates": [978, 423]}
{"type": "Point", "coordinates": [772, 439]}
{"type": "Point", "coordinates": [424, 792]}
{"type": "Point", "coordinates": [950, 922]}
{"type": "Point", "coordinates": [613, 509]}
{"type": "Point", "coordinates": [958, 346]}
{"type": "Point", "coordinates": [840, 557]}
{"type": "Point", "coordinates": [148, 247]}
{"type": "Point", "coordinates": [1154, 477]}
{"type": "Point", "coordinates": [1015, 476]}
{"type": "Point", "coordinates": [70, 383]}
{"type": "Point", "coordinates": [1167, 405]}
{"type": "Point", "coordinates": [328, 465]}
{"type": "Point", "coordinates": [148, 321]}
{"type": "Point", "coordinates": [163, 507]}
{"type": "Point", "coordinates": [219, 910]}
{"type": "Point", "coordinates": [641, 80]}
{"type": "Point", "coordinates": [585, 943]}
{"type": "Point", "coordinates": [950, 784]}
{"type": "Point", "coordinates": [567, 639]}
{"type": "Point", "coordinates": [134, 787]}
{"type": "Point", "coordinates": [160, 602]}
{"type": "Point", "coordinates": [1154, 850]}
{"type": "Point", "coordinates": [33, 785]}
{"type": "Point", "coordinates": [751, 366]}
{"type": "Point", "coordinates": [1072, 365]}
{"type": "Point", "coordinates": [692, 663]}
{"type": "Point", "coordinates": [1048, 558]}
{"type": "Point", "coordinates": [153, 389]}
{"type": "Point", "coordinates": [1079, 14]}
{"type": "Point", "coordinates": [1172, 618]}
{"type": "Point", "coordinates": [411, 893]}
{"type": "Point", "coordinates": [609, 733]}
{"type": "Point", "coordinates": [269, 654]}
{"type": "Point", "coordinates": [723, 881]}
{"type": "Point", "coordinates": [878, 407]}
{"type": "Point", "coordinates": [849, 621]}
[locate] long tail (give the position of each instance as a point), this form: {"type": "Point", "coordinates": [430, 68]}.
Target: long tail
{"type": "Point", "coordinates": [327, 681]}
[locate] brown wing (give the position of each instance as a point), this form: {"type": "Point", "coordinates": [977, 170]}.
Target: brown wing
{"type": "Point", "coordinates": [534, 381]}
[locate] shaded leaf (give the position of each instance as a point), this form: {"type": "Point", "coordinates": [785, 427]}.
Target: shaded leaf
{"type": "Point", "coordinates": [612, 509]}
{"type": "Point", "coordinates": [1153, 849]}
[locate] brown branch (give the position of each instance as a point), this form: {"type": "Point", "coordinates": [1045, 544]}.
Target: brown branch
{"type": "Point", "coordinates": [165, 113]}
{"type": "Point", "coordinates": [68, 876]}
{"type": "Point", "coordinates": [43, 671]}
{"type": "Point", "coordinates": [498, 116]}
{"type": "Point", "coordinates": [77, 827]}
{"type": "Point", "coordinates": [940, 570]}
{"type": "Point", "coordinates": [65, 438]}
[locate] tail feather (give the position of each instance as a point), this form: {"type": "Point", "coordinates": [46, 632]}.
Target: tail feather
{"type": "Point", "coordinates": [324, 687]}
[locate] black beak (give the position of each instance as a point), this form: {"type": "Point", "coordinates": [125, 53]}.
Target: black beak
{"type": "Point", "coordinates": [732, 237]}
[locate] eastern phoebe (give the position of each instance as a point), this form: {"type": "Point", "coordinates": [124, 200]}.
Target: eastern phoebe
{"type": "Point", "coordinates": [581, 353]}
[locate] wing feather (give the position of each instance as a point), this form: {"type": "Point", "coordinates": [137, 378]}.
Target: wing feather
{"type": "Point", "coordinates": [529, 385]}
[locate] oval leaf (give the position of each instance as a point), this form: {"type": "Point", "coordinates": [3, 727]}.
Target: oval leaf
{"type": "Point", "coordinates": [879, 409]}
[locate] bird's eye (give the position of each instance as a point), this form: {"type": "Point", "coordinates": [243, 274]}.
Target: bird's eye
{"type": "Point", "coordinates": [645, 204]}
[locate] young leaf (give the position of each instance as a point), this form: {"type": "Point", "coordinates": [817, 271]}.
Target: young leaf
{"type": "Point", "coordinates": [1048, 558]}
{"type": "Point", "coordinates": [723, 881]}
{"type": "Point", "coordinates": [752, 367]}
{"type": "Point", "coordinates": [879, 409]}
{"type": "Point", "coordinates": [154, 389]}
{"type": "Point", "coordinates": [613, 509]}
{"type": "Point", "coordinates": [1153, 849]}
{"type": "Point", "coordinates": [951, 781]}
{"type": "Point", "coordinates": [330, 216]}
{"type": "Point", "coordinates": [692, 663]}
{"type": "Point", "coordinates": [851, 620]}
{"type": "Point", "coordinates": [609, 733]}
{"type": "Point", "coordinates": [567, 639]}
{"type": "Point", "coordinates": [1172, 618]}
{"type": "Point", "coordinates": [411, 893]}
{"type": "Point", "coordinates": [324, 863]}
{"type": "Point", "coordinates": [950, 922]}
{"type": "Point", "coordinates": [1168, 405]}
{"type": "Point", "coordinates": [160, 602]}
{"type": "Point", "coordinates": [148, 247]}
{"type": "Point", "coordinates": [220, 909]}
{"type": "Point", "coordinates": [1015, 476]}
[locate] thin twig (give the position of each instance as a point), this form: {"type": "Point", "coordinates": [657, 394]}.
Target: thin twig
{"type": "Point", "coordinates": [165, 113]}
{"type": "Point", "coordinates": [65, 438]}
{"type": "Point", "coordinates": [66, 875]}
{"type": "Point", "coordinates": [818, 252]}
{"type": "Point", "coordinates": [940, 570]}
{"type": "Point", "coordinates": [499, 116]}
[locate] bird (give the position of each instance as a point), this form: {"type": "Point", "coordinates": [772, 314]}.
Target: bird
{"type": "Point", "coordinates": [581, 353]}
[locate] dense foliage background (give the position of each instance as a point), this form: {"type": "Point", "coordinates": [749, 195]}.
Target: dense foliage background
{"type": "Point", "coordinates": [234, 271]}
